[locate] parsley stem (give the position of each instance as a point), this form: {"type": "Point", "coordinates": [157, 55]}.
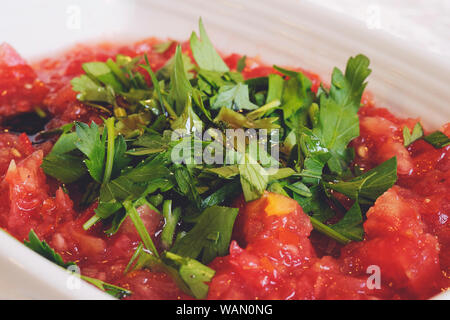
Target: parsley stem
{"type": "Point", "coordinates": [265, 109]}
{"type": "Point", "coordinates": [139, 224]}
{"type": "Point", "coordinates": [118, 72]}
{"type": "Point", "coordinates": [323, 228]}
{"type": "Point", "coordinates": [41, 113]}
{"type": "Point", "coordinates": [171, 218]}
{"type": "Point", "coordinates": [111, 289]}
{"type": "Point", "coordinates": [133, 258]}
{"type": "Point", "coordinates": [164, 106]}
{"type": "Point", "coordinates": [170, 111]}
{"type": "Point", "coordinates": [110, 149]}
{"type": "Point", "coordinates": [93, 220]}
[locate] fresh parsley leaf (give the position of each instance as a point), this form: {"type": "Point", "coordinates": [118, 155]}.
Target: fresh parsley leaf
{"type": "Point", "coordinates": [211, 235]}
{"type": "Point", "coordinates": [328, 231]}
{"type": "Point", "coordinates": [156, 199]}
{"type": "Point", "coordinates": [282, 173]}
{"type": "Point", "coordinates": [42, 248]}
{"type": "Point", "coordinates": [151, 143]}
{"type": "Point", "coordinates": [241, 64]}
{"type": "Point", "coordinates": [263, 110]}
{"type": "Point", "coordinates": [209, 82]}
{"type": "Point", "coordinates": [120, 160]}
{"type": "Point", "coordinates": [181, 88]}
{"type": "Point", "coordinates": [347, 229]}
{"type": "Point", "coordinates": [337, 126]}
{"type": "Point", "coordinates": [370, 185]}
{"type": "Point", "coordinates": [188, 119]}
{"type": "Point", "coordinates": [254, 179]}
{"type": "Point", "coordinates": [119, 73]}
{"type": "Point", "coordinates": [134, 182]}
{"type": "Point", "coordinates": [300, 188]}
{"type": "Point", "coordinates": [65, 143]}
{"type": "Point", "coordinates": [338, 119]}
{"type": "Point", "coordinates": [190, 275]}
{"type": "Point", "coordinates": [186, 186]}
{"type": "Point", "coordinates": [116, 87]}
{"type": "Point", "coordinates": [162, 46]}
{"type": "Point", "coordinates": [296, 98]}
{"type": "Point", "coordinates": [258, 84]}
{"type": "Point", "coordinates": [316, 129]}
{"type": "Point", "coordinates": [92, 144]}
{"type": "Point", "coordinates": [416, 134]}
{"type": "Point", "coordinates": [89, 90]}
{"type": "Point", "coordinates": [121, 188]}
{"type": "Point", "coordinates": [133, 125]}
{"type": "Point", "coordinates": [275, 89]}
{"type": "Point", "coordinates": [346, 90]}
{"type": "Point", "coordinates": [238, 120]}
{"type": "Point", "coordinates": [204, 53]}
{"type": "Point", "coordinates": [316, 204]}
{"type": "Point", "coordinates": [316, 156]}
{"type": "Point", "coordinates": [277, 187]}
{"type": "Point", "coordinates": [437, 139]}
{"type": "Point", "coordinates": [351, 225]}
{"type": "Point", "coordinates": [229, 190]}
{"type": "Point", "coordinates": [101, 72]}
{"type": "Point", "coordinates": [225, 172]}
{"type": "Point", "coordinates": [234, 97]}
{"type": "Point", "coordinates": [116, 222]}
{"type": "Point", "coordinates": [64, 167]}
{"type": "Point", "coordinates": [194, 274]}
{"type": "Point", "coordinates": [106, 209]}
{"type": "Point", "coordinates": [233, 119]}
{"type": "Point", "coordinates": [166, 70]}
{"type": "Point", "coordinates": [197, 97]}
{"type": "Point", "coordinates": [61, 163]}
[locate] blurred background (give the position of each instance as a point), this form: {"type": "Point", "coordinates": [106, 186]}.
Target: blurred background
{"type": "Point", "coordinates": [426, 22]}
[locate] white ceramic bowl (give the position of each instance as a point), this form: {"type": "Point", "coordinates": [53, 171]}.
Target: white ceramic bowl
{"type": "Point", "coordinates": [406, 79]}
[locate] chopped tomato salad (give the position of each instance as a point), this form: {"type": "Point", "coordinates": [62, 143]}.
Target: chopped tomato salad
{"type": "Point", "coordinates": [101, 194]}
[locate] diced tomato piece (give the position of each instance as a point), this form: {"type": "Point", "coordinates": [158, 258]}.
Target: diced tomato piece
{"type": "Point", "coordinates": [20, 90]}
{"type": "Point", "coordinates": [269, 216]}
{"type": "Point", "coordinates": [275, 245]}
{"type": "Point", "coordinates": [150, 285]}
{"type": "Point", "coordinates": [324, 280]}
{"type": "Point", "coordinates": [393, 214]}
{"type": "Point", "coordinates": [13, 147]}
{"type": "Point", "coordinates": [381, 139]}
{"type": "Point", "coordinates": [27, 191]}
{"type": "Point", "coordinates": [152, 220]}
{"type": "Point", "coordinates": [397, 243]}
{"type": "Point", "coordinates": [407, 264]}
